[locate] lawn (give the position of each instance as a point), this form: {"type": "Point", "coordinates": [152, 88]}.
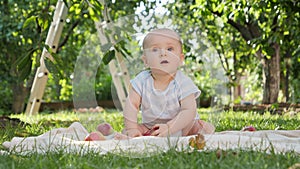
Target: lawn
{"type": "Point", "coordinates": [228, 120]}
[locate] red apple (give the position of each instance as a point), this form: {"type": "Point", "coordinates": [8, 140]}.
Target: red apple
{"type": "Point", "coordinates": [105, 129]}
{"type": "Point", "coordinates": [249, 128]}
{"type": "Point", "coordinates": [94, 136]}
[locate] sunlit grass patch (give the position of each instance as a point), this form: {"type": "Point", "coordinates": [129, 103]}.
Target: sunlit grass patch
{"type": "Point", "coordinates": [231, 120]}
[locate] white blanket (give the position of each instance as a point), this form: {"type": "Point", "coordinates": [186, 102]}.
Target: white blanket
{"type": "Point", "coordinates": [69, 140]}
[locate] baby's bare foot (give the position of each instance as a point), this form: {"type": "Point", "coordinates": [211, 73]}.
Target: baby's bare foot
{"type": "Point", "coordinates": [207, 128]}
{"type": "Point", "coordinates": [119, 136]}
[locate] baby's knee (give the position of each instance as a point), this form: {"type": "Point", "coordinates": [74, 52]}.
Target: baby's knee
{"type": "Point", "coordinates": [191, 129]}
{"type": "Point", "coordinates": [206, 127]}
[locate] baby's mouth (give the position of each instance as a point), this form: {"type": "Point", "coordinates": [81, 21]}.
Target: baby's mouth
{"type": "Point", "coordinates": [164, 62]}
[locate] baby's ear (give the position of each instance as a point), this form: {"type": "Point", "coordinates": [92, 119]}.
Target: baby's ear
{"type": "Point", "coordinates": [181, 59]}
{"type": "Point", "coordinates": [144, 60]}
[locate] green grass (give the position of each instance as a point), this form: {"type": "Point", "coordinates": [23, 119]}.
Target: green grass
{"type": "Point", "coordinates": [172, 159]}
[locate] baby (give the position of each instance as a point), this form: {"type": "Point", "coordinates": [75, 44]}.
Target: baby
{"type": "Point", "coordinates": [166, 96]}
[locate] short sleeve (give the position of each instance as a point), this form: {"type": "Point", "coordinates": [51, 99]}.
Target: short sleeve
{"type": "Point", "coordinates": [137, 82]}
{"type": "Point", "coordinates": [186, 86]}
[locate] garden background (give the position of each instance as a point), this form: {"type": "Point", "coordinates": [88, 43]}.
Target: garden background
{"type": "Point", "coordinates": [243, 55]}
{"type": "Point", "coordinates": [245, 51]}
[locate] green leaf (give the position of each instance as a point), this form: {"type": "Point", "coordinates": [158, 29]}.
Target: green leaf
{"type": "Point", "coordinates": [23, 65]}
{"type": "Point", "coordinates": [296, 53]}
{"type": "Point", "coordinates": [110, 55]}
{"type": "Point", "coordinates": [98, 8]}
{"type": "Point", "coordinates": [23, 60]}
{"type": "Point", "coordinates": [30, 20]}
{"type": "Point", "coordinates": [55, 67]}
{"type": "Point", "coordinates": [26, 70]}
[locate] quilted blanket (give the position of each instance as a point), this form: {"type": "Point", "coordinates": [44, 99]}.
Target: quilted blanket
{"type": "Point", "coordinates": [71, 140]}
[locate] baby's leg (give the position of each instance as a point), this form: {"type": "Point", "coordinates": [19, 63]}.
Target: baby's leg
{"type": "Point", "coordinates": [198, 126]}
{"type": "Point", "coordinates": [121, 136]}
{"type": "Point", "coordinates": [191, 129]}
{"type": "Point", "coordinates": [206, 127]}
{"type": "Point", "coordinates": [143, 129]}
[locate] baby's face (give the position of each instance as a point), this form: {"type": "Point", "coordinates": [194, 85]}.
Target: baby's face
{"type": "Point", "coordinates": [163, 52]}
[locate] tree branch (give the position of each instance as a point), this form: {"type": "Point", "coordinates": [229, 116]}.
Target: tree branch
{"type": "Point", "coordinates": [69, 32]}
{"type": "Point", "coordinates": [248, 32]}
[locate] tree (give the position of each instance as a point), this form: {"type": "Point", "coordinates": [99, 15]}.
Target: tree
{"type": "Point", "coordinates": [290, 52]}
{"type": "Point", "coordinates": [260, 24]}
{"type": "Point", "coordinates": [18, 44]}
{"type": "Point", "coordinates": [24, 26]}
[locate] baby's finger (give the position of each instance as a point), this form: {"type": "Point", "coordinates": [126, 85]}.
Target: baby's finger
{"type": "Point", "coordinates": [154, 130]}
{"type": "Point", "coordinates": [155, 133]}
{"type": "Point", "coordinates": [137, 134]}
{"type": "Point", "coordinates": [155, 127]}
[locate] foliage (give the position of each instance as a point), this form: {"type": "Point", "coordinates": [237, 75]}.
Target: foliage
{"type": "Point", "coordinates": [204, 26]}
{"type": "Point", "coordinates": [240, 30]}
{"type": "Point", "coordinates": [295, 77]}
{"type": "Point", "coordinates": [295, 90]}
{"type": "Point", "coordinates": [18, 43]}
{"type": "Point", "coordinates": [5, 94]}
{"type": "Point", "coordinates": [22, 41]}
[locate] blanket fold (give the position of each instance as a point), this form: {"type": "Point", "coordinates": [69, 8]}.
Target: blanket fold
{"type": "Point", "coordinates": [70, 140]}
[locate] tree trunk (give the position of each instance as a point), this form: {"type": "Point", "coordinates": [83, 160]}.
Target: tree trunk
{"type": "Point", "coordinates": [271, 76]}
{"type": "Point", "coordinates": [284, 77]}
{"type": "Point", "coordinates": [284, 84]}
{"type": "Point", "coordinates": [237, 88]}
{"type": "Point", "coordinates": [19, 94]}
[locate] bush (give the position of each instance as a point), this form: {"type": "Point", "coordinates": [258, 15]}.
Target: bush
{"type": "Point", "coordinates": [5, 96]}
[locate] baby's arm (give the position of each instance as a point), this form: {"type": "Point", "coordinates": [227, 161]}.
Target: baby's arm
{"type": "Point", "coordinates": [184, 118]}
{"type": "Point", "coordinates": [130, 114]}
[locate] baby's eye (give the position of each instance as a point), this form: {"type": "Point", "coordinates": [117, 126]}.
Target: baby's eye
{"type": "Point", "coordinates": [170, 49]}
{"type": "Point", "coordinates": [154, 49]}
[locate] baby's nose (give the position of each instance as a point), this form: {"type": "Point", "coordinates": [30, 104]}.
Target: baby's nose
{"type": "Point", "coordinates": [163, 52]}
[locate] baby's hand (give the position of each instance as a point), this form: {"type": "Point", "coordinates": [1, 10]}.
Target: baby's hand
{"type": "Point", "coordinates": [133, 132]}
{"type": "Point", "coordinates": [161, 130]}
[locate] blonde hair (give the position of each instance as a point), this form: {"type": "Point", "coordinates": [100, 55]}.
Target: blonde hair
{"type": "Point", "coordinates": [162, 32]}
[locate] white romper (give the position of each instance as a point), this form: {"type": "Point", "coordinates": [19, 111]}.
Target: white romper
{"type": "Point", "coordinates": [161, 106]}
